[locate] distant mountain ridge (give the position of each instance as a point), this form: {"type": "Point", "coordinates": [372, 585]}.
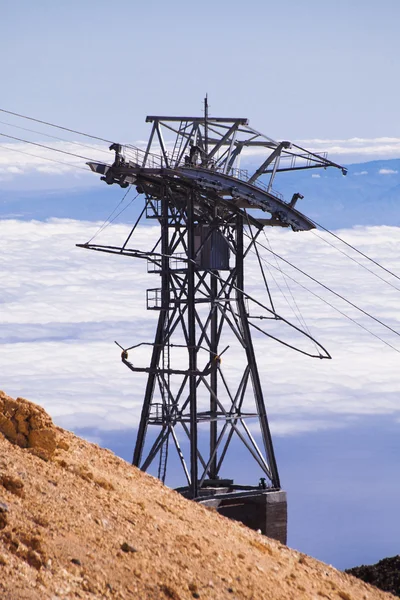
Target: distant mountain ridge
{"type": "Point", "coordinates": [368, 195]}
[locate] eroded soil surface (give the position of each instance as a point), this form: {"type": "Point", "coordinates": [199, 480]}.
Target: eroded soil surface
{"type": "Point", "coordinates": [78, 522]}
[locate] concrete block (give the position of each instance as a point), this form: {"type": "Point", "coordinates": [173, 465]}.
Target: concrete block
{"type": "Point", "coordinates": [264, 510]}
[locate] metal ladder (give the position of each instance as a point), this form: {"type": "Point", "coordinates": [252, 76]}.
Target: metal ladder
{"type": "Point", "coordinates": [166, 364]}
{"type": "Point", "coordinates": [178, 144]}
{"type": "Point", "coordinates": [162, 465]}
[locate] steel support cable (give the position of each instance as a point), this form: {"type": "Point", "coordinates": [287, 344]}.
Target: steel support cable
{"type": "Point", "coordinates": [277, 284]}
{"type": "Point", "coordinates": [253, 239]}
{"type": "Point", "coordinates": [134, 226]}
{"type": "Point", "coordinates": [290, 345]}
{"type": "Point", "coordinates": [11, 137]}
{"type": "Point", "coordinates": [298, 316]}
{"type": "Point", "coordinates": [331, 291]}
{"type": "Point", "coordinates": [59, 162]}
{"type": "Point", "coordinates": [355, 249]}
{"type": "Point", "coordinates": [94, 137]}
{"type": "Point", "coordinates": [325, 302]}
{"type": "Point", "coordinates": [140, 254]}
{"type": "Point", "coordinates": [108, 222]}
{"type": "Point", "coordinates": [335, 308]}
{"type": "Point", "coordinates": [235, 287]}
{"type": "Point", "coordinates": [272, 275]}
{"type": "Point", "coordinates": [54, 137]}
{"type": "Point", "coordinates": [355, 260]}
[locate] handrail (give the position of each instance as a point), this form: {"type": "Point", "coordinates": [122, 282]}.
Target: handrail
{"type": "Point", "coordinates": [156, 161]}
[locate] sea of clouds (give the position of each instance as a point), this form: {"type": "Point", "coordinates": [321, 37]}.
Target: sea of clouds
{"type": "Point", "coordinates": [334, 422]}
{"type": "Point", "coordinates": [62, 307]}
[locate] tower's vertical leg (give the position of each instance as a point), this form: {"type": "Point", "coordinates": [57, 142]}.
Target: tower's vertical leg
{"type": "Point", "coordinates": [192, 349]}
{"type": "Point", "coordinates": [214, 376]}
{"type": "Point", "coordinates": [144, 418]}
{"type": "Point", "coordinates": [164, 379]}
{"type": "Point", "coordinates": [160, 335]}
{"type": "Point", "coordinates": [258, 394]}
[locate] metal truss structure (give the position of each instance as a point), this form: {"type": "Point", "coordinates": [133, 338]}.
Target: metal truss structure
{"type": "Point", "coordinates": [210, 214]}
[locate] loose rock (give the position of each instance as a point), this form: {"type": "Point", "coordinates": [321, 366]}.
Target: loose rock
{"type": "Point", "coordinates": [13, 485]}
{"type": "Point", "coordinates": [128, 548]}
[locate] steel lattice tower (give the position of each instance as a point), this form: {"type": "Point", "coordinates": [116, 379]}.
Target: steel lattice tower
{"type": "Point", "coordinates": [210, 215]}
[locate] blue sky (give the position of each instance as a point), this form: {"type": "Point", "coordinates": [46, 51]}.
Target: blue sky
{"type": "Point", "coordinates": [324, 73]}
{"type": "Point", "coordinates": [298, 70]}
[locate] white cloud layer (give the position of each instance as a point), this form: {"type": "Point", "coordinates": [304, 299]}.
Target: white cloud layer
{"type": "Point", "coordinates": [387, 172]}
{"type": "Point", "coordinates": [18, 158]}
{"type": "Point", "coordinates": [357, 149]}
{"type": "Point", "coordinates": [62, 308]}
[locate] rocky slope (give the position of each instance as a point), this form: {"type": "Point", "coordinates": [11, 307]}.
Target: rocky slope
{"type": "Point", "coordinates": [78, 522]}
{"type": "Point", "coordinates": [385, 574]}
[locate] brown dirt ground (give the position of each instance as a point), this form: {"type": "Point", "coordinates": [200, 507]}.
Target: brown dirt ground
{"type": "Point", "coordinates": [78, 522]}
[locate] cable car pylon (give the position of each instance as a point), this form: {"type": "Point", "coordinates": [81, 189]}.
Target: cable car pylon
{"type": "Point", "coordinates": [210, 213]}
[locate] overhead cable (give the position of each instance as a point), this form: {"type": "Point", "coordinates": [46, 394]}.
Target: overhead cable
{"type": "Point", "coordinates": [299, 316]}
{"type": "Point", "coordinates": [332, 306]}
{"type": "Point", "coordinates": [331, 290]}
{"type": "Point", "coordinates": [94, 137]}
{"type": "Point", "coordinates": [259, 260]}
{"type": "Point", "coordinates": [50, 159]}
{"type": "Point", "coordinates": [355, 260]}
{"type": "Point", "coordinates": [54, 137]}
{"type": "Point", "coordinates": [355, 249]}
{"type": "Point", "coordinates": [108, 222]}
{"type": "Point", "coordinates": [11, 137]}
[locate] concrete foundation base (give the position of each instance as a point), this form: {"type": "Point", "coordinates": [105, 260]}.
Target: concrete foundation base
{"type": "Point", "coordinates": [264, 510]}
